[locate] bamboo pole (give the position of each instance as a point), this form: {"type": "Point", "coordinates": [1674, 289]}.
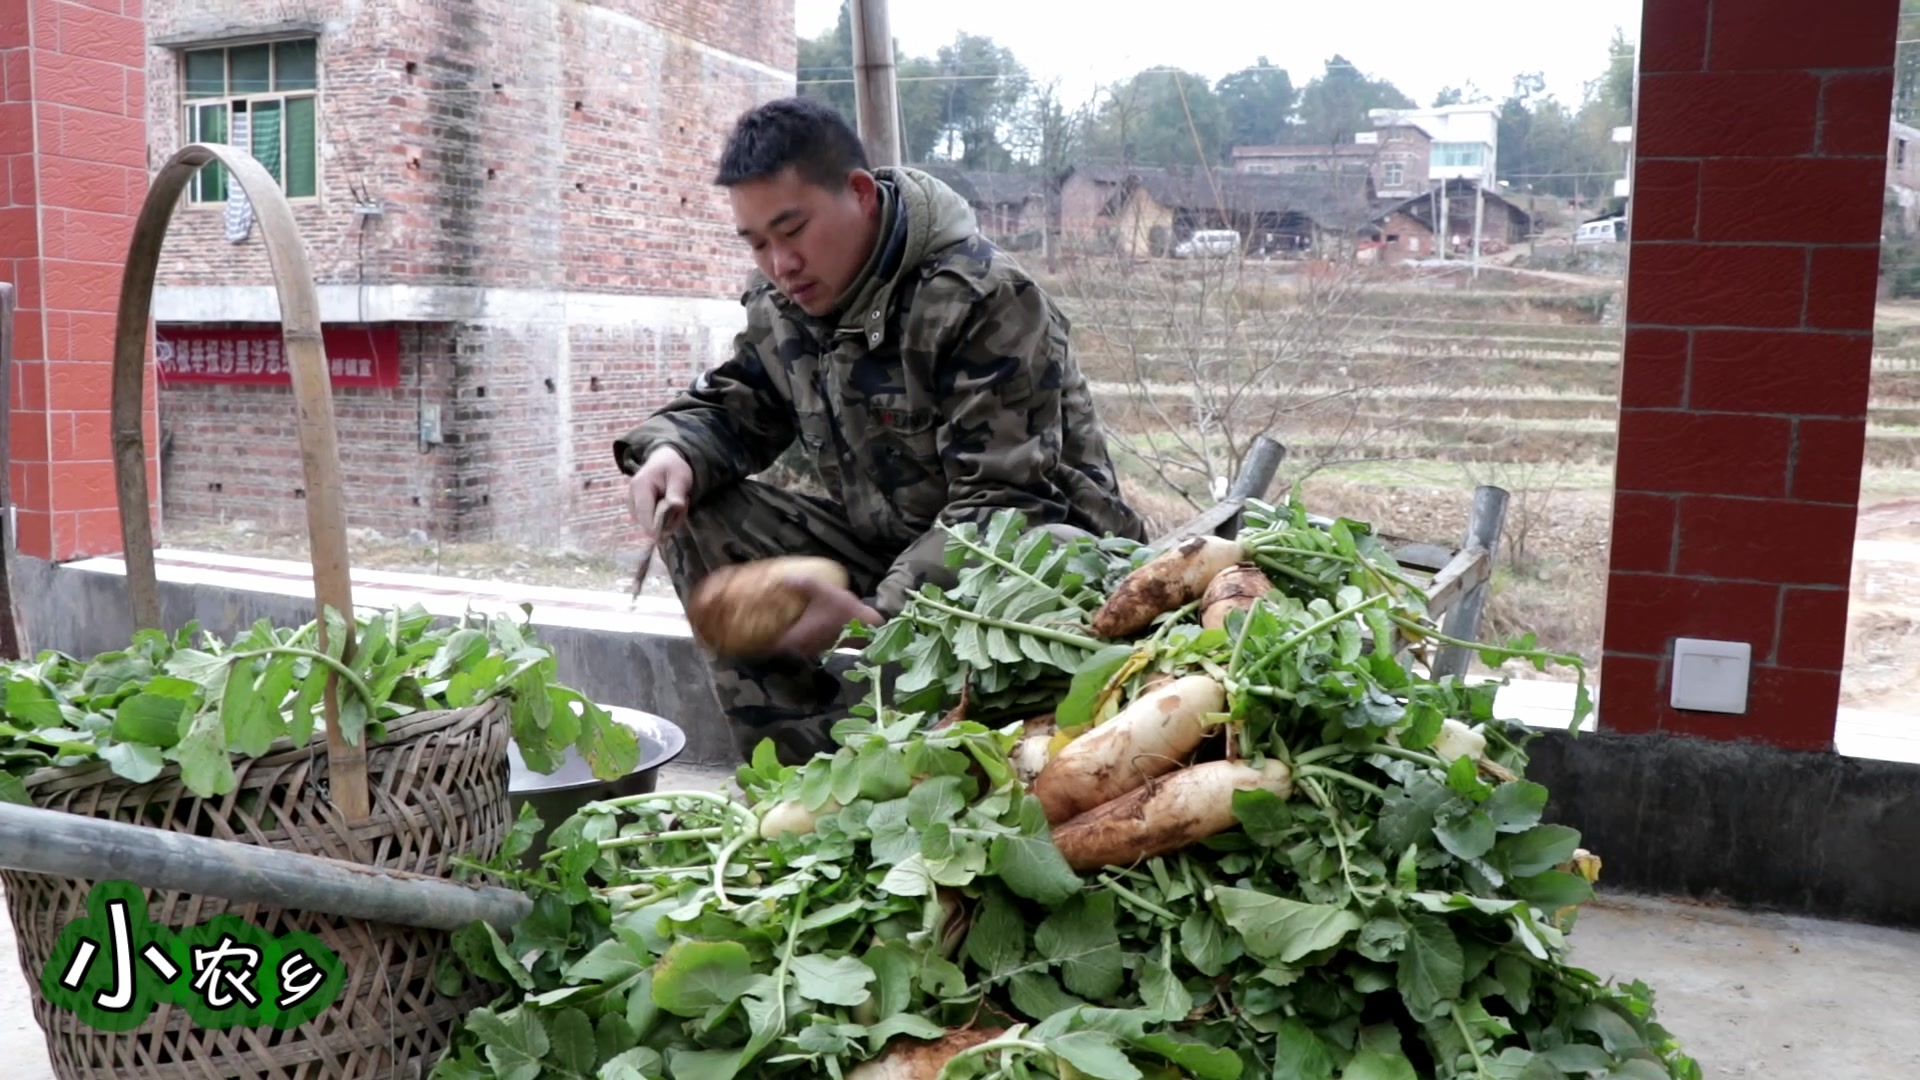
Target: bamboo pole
{"type": "Point", "coordinates": [85, 848]}
{"type": "Point", "coordinates": [313, 405]}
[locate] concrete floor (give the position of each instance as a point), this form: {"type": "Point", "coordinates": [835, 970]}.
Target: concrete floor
{"type": "Point", "coordinates": [1750, 995]}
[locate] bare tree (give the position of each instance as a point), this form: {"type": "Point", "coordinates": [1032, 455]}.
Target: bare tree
{"type": "Point", "coordinates": [1192, 359]}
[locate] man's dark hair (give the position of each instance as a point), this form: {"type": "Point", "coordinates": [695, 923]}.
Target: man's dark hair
{"type": "Point", "coordinates": [805, 133]}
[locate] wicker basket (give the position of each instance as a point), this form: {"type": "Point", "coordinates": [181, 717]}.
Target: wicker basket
{"type": "Point", "coordinates": [432, 788]}
{"type": "Point", "coordinates": [439, 782]}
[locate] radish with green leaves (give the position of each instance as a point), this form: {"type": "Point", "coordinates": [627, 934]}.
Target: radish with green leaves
{"type": "Point", "coordinates": [1167, 582]}
{"type": "Point", "coordinates": [1150, 737]}
{"type": "Point", "coordinates": [1167, 814]}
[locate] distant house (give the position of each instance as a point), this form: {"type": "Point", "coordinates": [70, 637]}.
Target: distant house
{"type": "Point", "coordinates": [1144, 211]}
{"type": "Point", "coordinates": [1465, 139]}
{"type": "Point", "coordinates": [1396, 156]}
{"type": "Point", "coordinates": [1903, 173]}
{"type": "Point", "coordinates": [1502, 222]}
{"type": "Point", "coordinates": [1010, 207]}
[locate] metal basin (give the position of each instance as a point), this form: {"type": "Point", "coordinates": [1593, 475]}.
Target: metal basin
{"type": "Point", "coordinates": [555, 796]}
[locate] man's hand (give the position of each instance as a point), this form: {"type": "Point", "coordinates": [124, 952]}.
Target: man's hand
{"type": "Point", "coordinates": [821, 626]}
{"type": "Point", "coordinates": [665, 475]}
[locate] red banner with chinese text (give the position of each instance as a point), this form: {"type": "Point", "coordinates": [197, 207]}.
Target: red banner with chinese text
{"type": "Point", "coordinates": [356, 355]}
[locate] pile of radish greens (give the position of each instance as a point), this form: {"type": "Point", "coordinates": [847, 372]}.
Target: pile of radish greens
{"type": "Point", "coordinates": [194, 702]}
{"type": "Point", "coordinates": [1123, 815]}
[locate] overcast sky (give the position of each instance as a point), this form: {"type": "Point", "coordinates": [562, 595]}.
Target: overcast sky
{"type": "Point", "coordinates": [1420, 46]}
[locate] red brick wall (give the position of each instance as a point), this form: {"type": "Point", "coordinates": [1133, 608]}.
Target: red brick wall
{"type": "Point", "coordinates": [527, 145]}
{"type": "Point", "coordinates": [1081, 201]}
{"type": "Point", "coordinates": [71, 138]}
{"type": "Point", "coordinates": [1761, 131]}
{"type": "Point", "coordinates": [1415, 238]}
{"type": "Point", "coordinates": [229, 453]}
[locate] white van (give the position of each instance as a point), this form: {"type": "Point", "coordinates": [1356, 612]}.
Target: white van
{"type": "Point", "coordinates": [1208, 242]}
{"type": "Point", "coordinates": [1608, 231]}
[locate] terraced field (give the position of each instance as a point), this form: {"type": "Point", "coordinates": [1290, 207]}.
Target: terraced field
{"type": "Point", "coordinates": [1396, 400]}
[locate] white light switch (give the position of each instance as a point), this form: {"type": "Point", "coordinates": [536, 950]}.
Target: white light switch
{"type": "Point", "coordinates": [1710, 676]}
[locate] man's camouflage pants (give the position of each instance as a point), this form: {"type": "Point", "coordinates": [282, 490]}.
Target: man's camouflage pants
{"type": "Point", "coordinates": [792, 701]}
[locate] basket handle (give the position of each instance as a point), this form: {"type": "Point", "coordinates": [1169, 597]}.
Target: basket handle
{"type": "Point", "coordinates": [313, 403]}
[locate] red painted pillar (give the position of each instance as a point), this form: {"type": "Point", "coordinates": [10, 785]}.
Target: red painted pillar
{"type": "Point", "coordinates": [73, 140]}
{"type": "Point", "coordinates": [1760, 141]}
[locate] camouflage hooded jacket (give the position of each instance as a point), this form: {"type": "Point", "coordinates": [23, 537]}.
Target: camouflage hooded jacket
{"type": "Point", "coordinates": [942, 391]}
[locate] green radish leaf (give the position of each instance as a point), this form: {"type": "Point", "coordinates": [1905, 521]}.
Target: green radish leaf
{"type": "Point", "coordinates": [1378, 1065]}
{"type": "Point", "coordinates": [894, 967]}
{"type": "Point", "coordinates": [1203, 941]}
{"type": "Point", "coordinates": [1537, 850]}
{"type": "Point", "coordinates": [1299, 1054]}
{"type": "Point", "coordinates": [1516, 806]}
{"type": "Point", "coordinates": [1076, 710]}
{"type": "Point", "coordinates": [908, 1025]}
{"type": "Point", "coordinates": [909, 877]}
{"type": "Point", "coordinates": [574, 1048]}
{"type": "Point", "coordinates": [1029, 863]}
{"type": "Point", "coordinates": [997, 940]}
{"type": "Point", "coordinates": [205, 766]}
{"type": "Point", "coordinates": [515, 1041]}
{"type": "Point", "coordinates": [1431, 967]}
{"type": "Point", "coordinates": [29, 703]}
{"type": "Point", "coordinates": [1265, 816]}
{"type": "Point", "coordinates": [150, 718]}
{"type": "Point", "coordinates": [136, 762]}
{"type": "Point", "coordinates": [1552, 890]}
{"type": "Point", "coordinates": [1463, 776]}
{"type": "Point", "coordinates": [1578, 1058]}
{"type": "Point", "coordinates": [1467, 835]}
{"type": "Point", "coordinates": [14, 790]}
{"type": "Point", "coordinates": [1516, 980]}
{"type": "Point", "coordinates": [695, 976]}
{"type": "Point", "coordinates": [1165, 997]}
{"type": "Point", "coordinates": [1282, 930]}
{"type": "Point", "coordinates": [1095, 1054]}
{"type": "Point", "coordinates": [840, 980]}
{"type": "Point", "coordinates": [1039, 995]}
{"type": "Point", "coordinates": [1079, 936]}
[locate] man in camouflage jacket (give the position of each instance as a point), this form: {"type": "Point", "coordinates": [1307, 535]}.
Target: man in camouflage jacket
{"type": "Point", "coordinates": [925, 374]}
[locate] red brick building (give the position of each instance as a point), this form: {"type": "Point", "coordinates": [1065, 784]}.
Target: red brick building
{"type": "Point", "coordinates": [509, 210]}
{"type": "Point", "coordinates": [1396, 156]}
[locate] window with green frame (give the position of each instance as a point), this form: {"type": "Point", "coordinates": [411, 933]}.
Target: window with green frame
{"type": "Point", "coordinates": [262, 98]}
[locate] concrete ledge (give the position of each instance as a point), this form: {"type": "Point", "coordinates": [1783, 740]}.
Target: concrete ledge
{"type": "Point", "coordinates": [1796, 832]}
{"type": "Point", "coordinates": [1820, 834]}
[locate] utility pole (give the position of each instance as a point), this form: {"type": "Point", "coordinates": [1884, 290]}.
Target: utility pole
{"type": "Point", "coordinates": [1533, 219]}
{"type": "Point", "coordinates": [1479, 208]}
{"type": "Point", "coordinates": [875, 94]}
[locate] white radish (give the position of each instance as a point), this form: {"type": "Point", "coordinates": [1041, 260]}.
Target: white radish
{"type": "Point", "coordinates": [1150, 737]}
{"type": "Point", "coordinates": [792, 816]}
{"type": "Point", "coordinates": [1237, 588]}
{"type": "Point", "coordinates": [1166, 815]}
{"type": "Point", "coordinates": [1170, 580]}
{"type": "Point", "coordinates": [1029, 757]}
{"type": "Point", "coordinates": [1456, 740]}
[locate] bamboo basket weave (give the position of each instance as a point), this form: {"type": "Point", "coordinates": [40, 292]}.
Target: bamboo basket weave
{"type": "Point", "coordinates": [434, 787]}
